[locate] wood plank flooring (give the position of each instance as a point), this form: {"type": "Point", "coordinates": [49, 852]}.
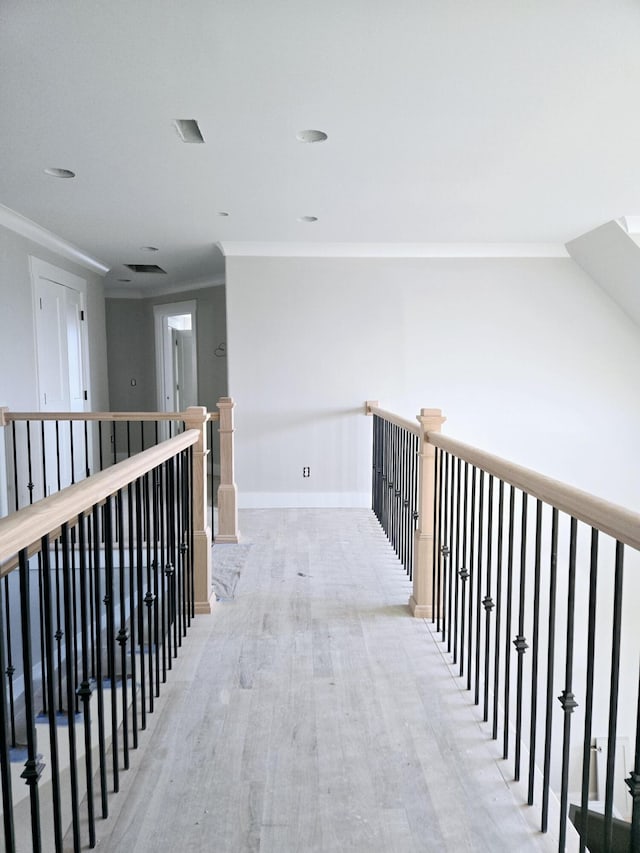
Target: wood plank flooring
{"type": "Point", "coordinates": [311, 713]}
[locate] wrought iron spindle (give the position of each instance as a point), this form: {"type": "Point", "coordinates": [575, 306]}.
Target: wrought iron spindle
{"type": "Point", "coordinates": [553, 570]}
{"type": "Point", "coordinates": [122, 636]}
{"type": "Point", "coordinates": [535, 642]}
{"type": "Point", "coordinates": [520, 642]}
{"type": "Point", "coordinates": [588, 705]}
{"type": "Point", "coordinates": [633, 783]}
{"type": "Point", "coordinates": [139, 597]}
{"type": "Point", "coordinates": [497, 632]}
{"type": "Point", "coordinates": [71, 683]}
{"type": "Point", "coordinates": [507, 627]}
{"type": "Point", "coordinates": [85, 690]}
{"type": "Point", "coordinates": [455, 562]}
{"type": "Point", "coordinates": [111, 635]}
{"type": "Point", "coordinates": [479, 584]}
{"type": "Point", "coordinates": [463, 571]}
{"type": "Point", "coordinates": [5, 762]}
{"type": "Point", "coordinates": [132, 615]}
{"type": "Point", "coordinates": [567, 699]}
{"type": "Point", "coordinates": [444, 546]}
{"type": "Point", "coordinates": [97, 622]}
{"type": "Point", "coordinates": [472, 554]}
{"type": "Point", "coordinates": [149, 596]}
{"type": "Point", "coordinates": [487, 601]}
{"type": "Point", "coordinates": [613, 697]}
{"type": "Point", "coordinates": [33, 767]}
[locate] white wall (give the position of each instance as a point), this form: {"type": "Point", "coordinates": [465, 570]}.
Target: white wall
{"type": "Point", "coordinates": [17, 338]}
{"type": "Point", "coordinates": [527, 358]}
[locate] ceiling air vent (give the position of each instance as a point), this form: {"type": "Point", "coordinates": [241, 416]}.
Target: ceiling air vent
{"type": "Point", "coordinates": [188, 130]}
{"type": "Point", "coordinates": [153, 268]}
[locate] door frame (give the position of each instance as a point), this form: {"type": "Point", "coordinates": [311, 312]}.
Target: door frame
{"type": "Point", "coordinates": [43, 269]}
{"type": "Point", "coordinates": [161, 313]}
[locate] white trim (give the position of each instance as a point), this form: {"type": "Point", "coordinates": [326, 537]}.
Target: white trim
{"type": "Point", "coordinates": [300, 500]}
{"type": "Point", "coordinates": [167, 290]}
{"type": "Point", "coordinates": [160, 315]}
{"type": "Point", "coordinates": [32, 231]}
{"type": "Point", "coordinates": [392, 250]}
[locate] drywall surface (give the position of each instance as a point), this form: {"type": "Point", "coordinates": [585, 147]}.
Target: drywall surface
{"type": "Point", "coordinates": [17, 334]}
{"type": "Point", "coordinates": [529, 359]}
{"type": "Point", "coordinates": [131, 346]}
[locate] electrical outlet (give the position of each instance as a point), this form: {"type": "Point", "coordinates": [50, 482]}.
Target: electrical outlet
{"type": "Point", "coordinates": [306, 471]}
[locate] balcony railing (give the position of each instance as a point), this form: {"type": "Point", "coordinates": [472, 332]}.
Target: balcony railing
{"type": "Point", "coordinates": [101, 572]}
{"type": "Point", "coordinates": [523, 578]}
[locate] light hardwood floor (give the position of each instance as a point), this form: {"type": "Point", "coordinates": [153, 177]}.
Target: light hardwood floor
{"type": "Point", "coordinates": [312, 713]}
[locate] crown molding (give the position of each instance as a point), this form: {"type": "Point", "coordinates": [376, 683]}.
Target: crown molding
{"type": "Point", "coordinates": [19, 224]}
{"type": "Point", "coordinates": [166, 290]}
{"type": "Point", "coordinates": [392, 250]}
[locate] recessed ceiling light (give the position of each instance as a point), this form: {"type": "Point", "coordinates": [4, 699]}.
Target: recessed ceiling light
{"type": "Point", "coordinates": [60, 173]}
{"type": "Point", "coordinates": [148, 248]}
{"type": "Point", "coordinates": [188, 130]}
{"type": "Point", "coordinates": [222, 213]}
{"type": "Point", "coordinates": [311, 136]}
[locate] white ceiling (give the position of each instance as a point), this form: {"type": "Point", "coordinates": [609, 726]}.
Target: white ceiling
{"type": "Point", "coordinates": [465, 121]}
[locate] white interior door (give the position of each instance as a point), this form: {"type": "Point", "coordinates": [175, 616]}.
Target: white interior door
{"type": "Point", "coordinates": [62, 370]}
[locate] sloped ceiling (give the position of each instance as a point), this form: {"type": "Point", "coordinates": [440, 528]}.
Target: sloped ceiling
{"type": "Point", "coordinates": [453, 121]}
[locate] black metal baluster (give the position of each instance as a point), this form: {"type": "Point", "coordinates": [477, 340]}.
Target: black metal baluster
{"type": "Point", "coordinates": [113, 442]}
{"type": "Point", "coordinates": [155, 566]}
{"type": "Point", "coordinates": [87, 466]}
{"type": "Point", "coordinates": [487, 601]}
{"type": "Point", "coordinates": [164, 621]}
{"type": "Point", "coordinates": [450, 559]}
{"type": "Point", "coordinates": [171, 536]}
{"type": "Point", "coordinates": [5, 763]}
{"type": "Point", "coordinates": [455, 562]}
{"type": "Point", "coordinates": [85, 690]}
{"type": "Point", "coordinates": [10, 668]}
{"type": "Point", "coordinates": [472, 553]}
{"type": "Point", "coordinates": [123, 634]}
{"type": "Point", "coordinates": [520, 641]}
{"type": "Point", "coordinates": [132, 618]}
{"type": "Point", "coordinates": [496, 647]}
{"type": "Point", "coordinates": [534, 653]}
{"type": "Point", "coordinates": [111, 636]}
{"type": "Point", "coordinates": [33, 768]}
{"type": "Point", "coordinates": [479, 585]}
{"type": "Point", "coordinates": [30, 483]}
{"type": "Point", "coordinates": [16, 495]}
{"type": "Point", "coordinates": [588, 709]}
{"type": "Point", "coordinates": [139, 597]}
{"type": "Point", "coordinates": [191, 533]}
{"type": "Point", "coordinates": [553, 570]}
{"type": "Point", "coordinates": [100, 461]}
{"type": "Point", "coordinates": [613, 698]}
{"type": "Point", "coordinates": [507, 626]}
{"type": "Point", "coordinates": [633, 783]}
{"type": "Point", "coordinates": [463, 571]}
{"type": "Point", "coordinates": [129, 440]}
{"type": "Point", "coordinates": [59, 635]}
{"type": "Point", "coordinates": [566, 698]}
{"type": "Point", "coordinates": [435, 583]}
{"type": "Point", "coordinates": [58, 469]}
{"type": "Point", "coordinates": [97, 621]}
{"type": "Point", "coordinates": [444, 547]}
{"type": "Point", "coordinates": [71, 451]}
{"type": "Point", "coordinates": [149, 597]}
{"type": "Point", "coordinates": [49, 652]}
{"type": "Point", "coordinates": [71, 683]}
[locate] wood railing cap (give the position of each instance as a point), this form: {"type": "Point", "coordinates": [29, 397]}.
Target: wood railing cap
{"type": "Point", "coordinates": [24, 527]}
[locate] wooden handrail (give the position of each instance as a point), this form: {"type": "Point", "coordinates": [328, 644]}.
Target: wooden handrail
{"type": "Point", "coordinates": [610, 518]}
{"type": "Point", "coordinates": [22, 528]}
{"type": "Point", "coordinates": [392, 418]}
{"type": "Point", "coordinates": [6, 416]}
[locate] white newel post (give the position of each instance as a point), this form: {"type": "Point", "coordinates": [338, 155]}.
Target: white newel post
{"type": "Point", "coordinates": [227, 491]}
{"type": "Point", "coordinates": [196, 418]}
{"type": "Point", "coordinates": [421, 601]}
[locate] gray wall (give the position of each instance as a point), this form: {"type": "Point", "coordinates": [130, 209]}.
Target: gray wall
{"type": "Point", "coordinates": [17, 332]}
{"type": "Point", "coordinates": [528, 358]}
{"type": "Point", "coordinates": [131, 348]}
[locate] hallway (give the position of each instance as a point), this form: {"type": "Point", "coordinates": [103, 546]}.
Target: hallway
{"type": "Point", "coordinates": [310, 713]}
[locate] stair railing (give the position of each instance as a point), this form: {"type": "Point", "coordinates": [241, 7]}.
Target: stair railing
{"type": "Point", "coordinates": [522, 578]}
{"type": "Point", "coordinates": [99, 586]}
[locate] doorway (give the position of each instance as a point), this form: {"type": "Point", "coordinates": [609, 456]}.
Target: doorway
{"type": "Point", "coordinates": [176, 356]}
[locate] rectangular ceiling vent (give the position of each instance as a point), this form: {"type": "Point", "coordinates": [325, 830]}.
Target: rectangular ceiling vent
{"type": "Point", "coordinates": [153, 268]}
{"type": "Point", "coordinates": [188, 130]}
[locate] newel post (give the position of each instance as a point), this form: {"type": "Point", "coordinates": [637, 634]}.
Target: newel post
{"type": "Point", "coordinates": [227, 490]}
{"type": "Point", "coordinates": [196, 418]}
{"type": "Point", "coordinates": [421, 602]}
